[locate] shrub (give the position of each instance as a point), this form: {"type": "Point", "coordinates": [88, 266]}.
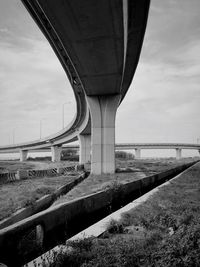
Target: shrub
{"type": "Point", "coordinates": [115, 227]}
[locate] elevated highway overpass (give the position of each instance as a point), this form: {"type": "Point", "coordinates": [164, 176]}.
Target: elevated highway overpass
{"type": "Point", "coordinates": [138, 147]}
{"type": "Point", "coordinates": [98, 44]}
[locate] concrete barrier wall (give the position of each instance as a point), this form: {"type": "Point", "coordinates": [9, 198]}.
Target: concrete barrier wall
{"type": "Point", "coordinates": [27, 174]}
{"type": "Point", "coordinates": [64, 170]}
{"type": "Point", "coordinates": [8, 177]}
{"type": "Point", "coordinates": [41, 204]}
{"type": "Point", "coordinates": [42, 173]}
{"type": "Point", "coordinates": [65, 220]}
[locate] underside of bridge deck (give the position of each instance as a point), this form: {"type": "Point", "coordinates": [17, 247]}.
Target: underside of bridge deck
{"type": "Point", "coordinates": [102, 41]}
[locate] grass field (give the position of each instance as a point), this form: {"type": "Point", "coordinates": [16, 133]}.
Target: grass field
{"type": "Point", "coordinates": [18, 194]}
{"type": "Point", "coordinates": [15, 165]}
{"type": "Point", "coordinates": [163, 231]}
{"type": "Point", "coordinates": [140, 169]}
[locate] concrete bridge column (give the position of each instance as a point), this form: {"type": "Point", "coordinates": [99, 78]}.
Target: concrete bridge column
{"type": "Point", "coordinates": [56, 153]}
{"type": "Point", "coordinates": [138, 153]}
{"type": "Point", "coordinates": [85, 148]}
{"type": "Point", "coordinates": [178, 153]}
{"type": "Point", "coordinates": [23, 155]}
{"type": "Point", "coordinates": [103, 110]}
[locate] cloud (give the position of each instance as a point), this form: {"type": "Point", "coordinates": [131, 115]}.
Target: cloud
{"type": "Point", "coordinates": [33, 86]}
{"type": "Point", "coordinates": [163, 100]}
{"type": "Point", "coordinates": [171, 26]}
{"type": "Point", "coordinates": [162, 103]}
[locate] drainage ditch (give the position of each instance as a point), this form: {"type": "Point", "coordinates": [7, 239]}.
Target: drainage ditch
{"type": "Point", "coordinates": [63, 221]}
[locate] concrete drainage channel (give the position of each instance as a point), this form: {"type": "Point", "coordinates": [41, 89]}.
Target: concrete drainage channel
{"type": "Point", "coordinates": [42, 203]}
{"type": "Point", "coordinates": [98, 229]}
{"type": "Point", "coordinates": [33, 236]}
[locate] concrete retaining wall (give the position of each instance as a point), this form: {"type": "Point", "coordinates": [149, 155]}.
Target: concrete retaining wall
{"type": "Point", "coordinates": [8, 177]}
{"type": "Point", "coordinates": [60, 222]}
{"type": "Point", "coordinates": [41, 204]}
{"type": "Point", "coordinates": [41, 173]}
{"type": "Point", "coordinates": [28, 174]}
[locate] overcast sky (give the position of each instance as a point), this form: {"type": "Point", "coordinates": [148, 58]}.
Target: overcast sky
{"type": "Point", "coordinates": [162, 104]}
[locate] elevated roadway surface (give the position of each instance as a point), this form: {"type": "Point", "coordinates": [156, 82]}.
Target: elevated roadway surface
{"type": "Point", "coordinates": [98, 44]}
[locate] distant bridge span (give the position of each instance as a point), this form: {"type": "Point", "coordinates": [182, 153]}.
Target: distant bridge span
{"type": "Point", "coordinates": [129, 146]}
{"type": "Point", "coordinates": [124, 146]}
{"type": "Point", "coordinates": [157, 146]}
{"type": "Point", "coordinates": [139, 146]}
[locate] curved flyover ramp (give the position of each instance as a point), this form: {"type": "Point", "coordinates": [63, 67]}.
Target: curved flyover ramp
{"type": "Point", "coordinates": [98, 43]}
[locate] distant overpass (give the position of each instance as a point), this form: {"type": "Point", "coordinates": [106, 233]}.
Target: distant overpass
{"type": "Point", "coordinates": [178, 147]}
{"type": "Point", "coordinates": [139, 146]}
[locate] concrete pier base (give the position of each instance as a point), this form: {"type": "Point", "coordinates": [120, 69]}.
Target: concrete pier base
{"type": "Point", "coordinates": [85, 148]}
{"type": "Point", "coordinates": [137, 153]}
{"type": "Point", "coordinates": [23, 155]}
{"type": "Point", "coordinates": [103, 111]}
{"type": "Point", "coordinates": [178, 153]}
{"type": "Point", "coordinates": [56, 153]}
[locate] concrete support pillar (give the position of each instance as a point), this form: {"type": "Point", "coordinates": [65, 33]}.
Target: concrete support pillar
{"type": "Point", "coordinates": [56, 153]}
{"type": "Point", "coordinates": [23, 155]}
{"type": "Point", "coordinates": [103, 110]}
{"type": "Point", "coordinates": [178, 153]}
{"type": "Point", "coordinates": [137, 153]}
{"type": "Point", "coordinates": [85, 148]}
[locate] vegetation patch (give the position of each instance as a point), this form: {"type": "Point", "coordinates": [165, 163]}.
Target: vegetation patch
{"type": "Point", "coordinates": [164, 231]}
{"type": "Point", "coordinates": [24, 193]}
{"type": "Point", "coordinates": [139, 169]}
{"type": "Point", "coordinates": [37, 194]}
